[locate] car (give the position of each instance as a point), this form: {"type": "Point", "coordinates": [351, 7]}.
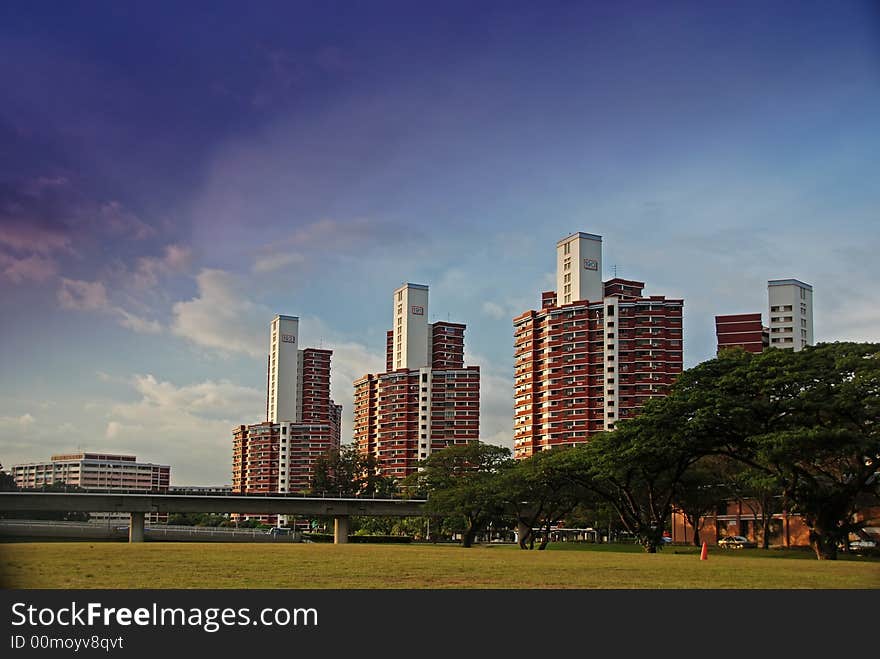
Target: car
{"type": "Point", "coordinates": [736, 542]}
{"type": "Point", "coordinates": [666, 540]}
{"type": "Point", "coordinates": [862, 544]}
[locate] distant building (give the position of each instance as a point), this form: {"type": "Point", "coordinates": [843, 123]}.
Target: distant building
{"type": "Point", "coordinates": [744, 331]}
{"type": "Point", "coordinates": [593, 354]}
{"type": "Point", "coordinates": [426, 400]}
{"type": "Point", "coordinates": [102, 471]}
{"type": "Point", "coordinates": [791, 314]}
{"type": "Point", "coordinates": [790, 304]}
{"type": "Point", "coordinates": [302, 422]}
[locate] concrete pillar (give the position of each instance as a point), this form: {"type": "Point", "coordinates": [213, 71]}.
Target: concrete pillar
{"type": "Point", "coordinates": [136, 528]}
{"type": "Point", "coordinates": [340, 529]}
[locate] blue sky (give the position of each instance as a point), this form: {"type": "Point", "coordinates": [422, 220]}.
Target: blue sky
{"type": "Point", "coordinates": [174, 174]}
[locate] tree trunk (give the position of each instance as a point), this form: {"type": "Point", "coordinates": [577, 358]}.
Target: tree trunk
{"type": "Point", "coordinates": [650, 544]}
{"type": "Point", "coordinates": [765, 531]}
{"type": "Point", "coordinates": [523, 532]}
{"type": "Point", "coordinates": [824, 544]}
{"type": "Point", "coordinates": [467, 538]}
{"type": "Point", "coordinates": [696, 528]}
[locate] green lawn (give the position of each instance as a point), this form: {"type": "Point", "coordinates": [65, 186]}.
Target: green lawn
{"type": "Point", "coordinates": [214, 565]}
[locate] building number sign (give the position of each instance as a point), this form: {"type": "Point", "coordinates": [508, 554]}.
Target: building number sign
{"type": "Point", "coordinates": [590, 264]}
{"type": "Point", "coordinates": [418, 311]}
{"type": "Point", "coordinates": [288, 338]}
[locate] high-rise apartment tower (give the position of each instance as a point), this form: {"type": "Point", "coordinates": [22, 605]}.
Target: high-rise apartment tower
{"type": "Point", "coordinates": [426, 399]}
{"type": "Point", "coordinates": [593, 354]}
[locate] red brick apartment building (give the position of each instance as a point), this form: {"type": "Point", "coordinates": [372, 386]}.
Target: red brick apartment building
{"type": "Point", "coordinates": [279, 454]}
{"type": "Point", "coordinates": [790, 303]}
{"type": "Point", "coordinates": [426, 400]}
{"type": "Point", "coordinates": [593, 354]}
{"type": "Point", "coordinates": [744, 331]}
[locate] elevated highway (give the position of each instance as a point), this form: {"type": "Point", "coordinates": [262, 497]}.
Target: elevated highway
{"type": "Point", "coordinates": [138, 504]}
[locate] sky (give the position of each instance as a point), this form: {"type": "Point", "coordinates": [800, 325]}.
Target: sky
{"type": "Point", "coordinates": [172, 175]}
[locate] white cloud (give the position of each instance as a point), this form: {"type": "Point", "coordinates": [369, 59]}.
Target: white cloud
{"type": "Point", "coordinates": [222, 318]}
{"type": "Point", "coordinates": [24, 421]}
{"type": "Point", "coordinates": [81, 295]}
{"type": "Point", "coordinates": [149, 268]}
{"type": "Point", "coordinates": [78, 295]}
{"type": "Point", "coordinates": [272, 262]}
{"type": "Point", "coordinates": [113, 429]}
{"type": "Point", "coordinates": [186, 426]}
{"type": "Point", "coordinates": [136, 323]}
{"type": "Point", "coordinates": [30, 268]}
{"type": "Point", "coordinates": [496, 401]}
{"type": "Point", "coordinates": [493, 310]}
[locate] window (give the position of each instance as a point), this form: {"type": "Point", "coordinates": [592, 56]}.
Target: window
{"type": "Point", "coordinates": [567, 277]}
{"type": "Point", "coordinates": [803, 294]}
{"type": "Point", "coordinates": [566, 264]}
{"type": "Point", "coordinates": [610, 311]}
{"type": "Point", "coordinates": [566, 248]}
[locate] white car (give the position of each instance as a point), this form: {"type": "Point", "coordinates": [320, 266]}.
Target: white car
{"type": "Point", "coordinates": [736, 542]}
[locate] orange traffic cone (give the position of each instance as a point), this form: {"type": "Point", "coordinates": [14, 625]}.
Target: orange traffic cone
{"type": "Point", "coordinates": [704, 553]}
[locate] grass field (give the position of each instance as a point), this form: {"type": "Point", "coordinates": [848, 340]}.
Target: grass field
{"type": "Point", "coordinates": [214, 565]}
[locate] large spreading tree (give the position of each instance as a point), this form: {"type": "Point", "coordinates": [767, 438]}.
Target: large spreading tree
{"type": "Point", "coordinates": [463, 485]}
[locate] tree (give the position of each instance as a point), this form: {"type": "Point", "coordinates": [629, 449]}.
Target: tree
{"type": "Point", "coordinates": [345, 472]}
{"type": "Point", "coordinates": [462, 485]}
{"type": "Point", "coordinates": [760, 492]}
{"type": "Point", "coordinates": [7, 481]}
{"type": "Point", "coordinates": [806, 420]}
{"type": "Point", "coordinates": [700, 491]}
{"type": "Point", "coordinates": [540, 492]}
{"type": "Point", "coordinates": [639, 468]}
{"type": "Point", "coordinates": [824, 446]}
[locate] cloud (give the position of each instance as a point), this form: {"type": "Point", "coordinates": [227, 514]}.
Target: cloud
{"type": "Point", "coordinates": [493, 310]}
{"type": "Point", "coordinates": [78, 295]}
{"type": "Point", "coordinates": [30, 268]}
{"type": "Point", "coordinates": [24, 421]}
{"type": "Point", "coordinates": [277, 261]}
{"type": "Point", "coordinates": [187, 426]}
{"type": "Point", "coordinates": [221, 318]}
{"type": "Point", "coordinates": [81, 295]}
{"type": "Point", "coordinates": [115, 218]}
{"type": "Point", "coordinates": [353, 236]}
{"type": "Point", "coordinates": [46, 219]}
{"type": "Point", "coordinates": [136, 323]}
{"type": "Point", "coordinates": [149, 268]}
{"type": "Point", "coordinates": [496, 401]}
